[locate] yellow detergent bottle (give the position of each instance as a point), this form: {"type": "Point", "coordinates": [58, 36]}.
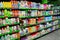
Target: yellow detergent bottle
{"type": "Point", "coordinates": [7, 5]}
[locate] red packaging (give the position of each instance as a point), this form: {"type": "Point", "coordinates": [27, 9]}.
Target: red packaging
{"type": "Point", "coordinates": [34, 35]}
{"type": "Point", "coordinates": [37, 28]}
{"type": "Point", "coordinates": [39, 20]}
{"type": "Point", "coordinates": [15, 13]}
{"type": "Point", "coordinates": [29, 4]}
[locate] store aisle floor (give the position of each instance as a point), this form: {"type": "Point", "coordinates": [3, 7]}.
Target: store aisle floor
{"type": "Point", "coordinates": [52, 36]}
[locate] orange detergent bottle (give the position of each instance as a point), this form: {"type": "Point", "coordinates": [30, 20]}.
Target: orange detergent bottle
{"type": "Point", "coordinates": [15, 13]}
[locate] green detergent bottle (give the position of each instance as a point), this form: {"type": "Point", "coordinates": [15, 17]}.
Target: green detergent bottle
{"type": "Point", "coordinates": [8, 21]}
{"type": "Point", "coordinates": [5, 13]}
{"type": "Point", "coordinates": [9, 13]}
{"type": "Point", "coordinates": [44, 1]}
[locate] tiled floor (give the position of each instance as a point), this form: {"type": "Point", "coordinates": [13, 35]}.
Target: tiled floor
{"type": "Point", "coordinates": [52, 36]}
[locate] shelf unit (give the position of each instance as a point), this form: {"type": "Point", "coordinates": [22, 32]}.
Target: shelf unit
{"type": "Point", "coordinates": [27, 17]}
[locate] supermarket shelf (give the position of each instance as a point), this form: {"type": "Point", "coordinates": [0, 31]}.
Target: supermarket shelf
{"type": "Point", "coordinates": [9, 33]}
{"type": "Point", "coordinates": [37, 24]}
{"type": "Point", "coordinates": [37, 31]}
{"type": "Point", "coordinates": [16, 39]}
{"type": "Point", "coordinates": [28, 16]}
{"type": "Point", "coordinates": [37, 16]}
{"type": "Point", "coordinates": [45, 34]}
{"type": "Point", "coordinates": [9, 25]}
{"type": "Point", "coordinates": [7, 17]}
{"type": "Point", "coordinates": [23, 9]}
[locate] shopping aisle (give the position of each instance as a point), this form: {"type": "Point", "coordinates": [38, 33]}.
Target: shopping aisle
{"type": "Point", "coordinates": [52, 36]}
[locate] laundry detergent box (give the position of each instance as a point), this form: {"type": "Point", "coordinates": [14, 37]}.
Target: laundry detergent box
{"type": "Point", "coordinates": [22, 13]}
{"type": "Point", "coordinates": [48, 18]}
{"type": "Point", "coordinates": [33, 5]}
{"type": "Point", "coordinates": [23, 5]}
{"type": "Point", "coordinates": [14, 4]}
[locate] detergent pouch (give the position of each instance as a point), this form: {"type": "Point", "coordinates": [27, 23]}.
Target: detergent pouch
{"type": "Point", "coordinates": [1, 5]}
